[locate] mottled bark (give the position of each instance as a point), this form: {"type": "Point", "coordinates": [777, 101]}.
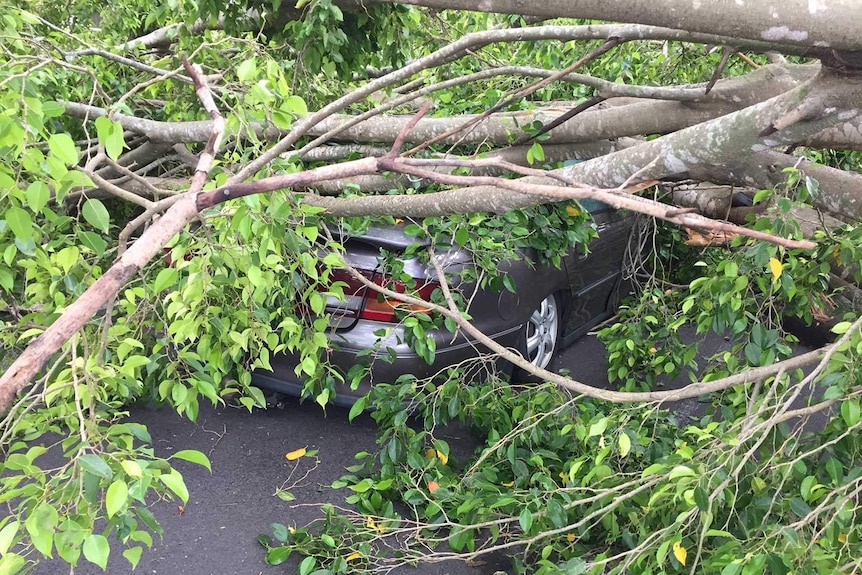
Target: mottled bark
{"type": "Point", "coordinates": [709, 199]}
{"type": "Point", "coordinates": [516, 155]}
{"type": "Point", "coordinates": [634, 118]}
{"type": "Point", "coordinates": [817, 25]}
{"type": "Point", "coordinates": [840, 190]}
{"type": "Point", "coordinates": [719, 141]}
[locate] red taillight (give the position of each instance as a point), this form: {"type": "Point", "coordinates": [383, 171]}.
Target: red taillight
{"type": "Point", "coordinates": [366, 303]}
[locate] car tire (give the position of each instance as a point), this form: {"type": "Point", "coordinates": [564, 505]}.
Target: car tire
{"type": "Point", "coordinates": [540, 336]}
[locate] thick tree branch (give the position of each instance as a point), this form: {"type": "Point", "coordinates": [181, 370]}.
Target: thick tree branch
{"type": "Point", "coordinates": [814, 27]}
{"type": "Point", "coordinates": [24, 369]}
{"type": "Point", "coordinates": [716, 142]}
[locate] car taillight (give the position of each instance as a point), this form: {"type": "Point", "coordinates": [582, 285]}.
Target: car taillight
{"type": "Point", "coordinates": [365, 303]}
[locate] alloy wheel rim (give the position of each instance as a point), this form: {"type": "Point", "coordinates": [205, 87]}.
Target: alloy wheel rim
{"type": "Point", "coordinates": [542, 333]}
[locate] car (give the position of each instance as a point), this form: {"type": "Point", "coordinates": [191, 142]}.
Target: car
{"type": "Point", "coordinates": [550, 308]}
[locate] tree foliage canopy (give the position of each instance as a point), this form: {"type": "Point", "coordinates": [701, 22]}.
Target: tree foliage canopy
{"type": "Point", "coordinates": [173, 173]}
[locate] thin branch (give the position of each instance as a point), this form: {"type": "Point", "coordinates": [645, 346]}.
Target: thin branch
{"type": "Point", "coordinates": [689, 391]}
{"type": "Point", "coordinates": [583, 106]}
{"type": "Point", "coordinates": [116, 190]}
{"type": "Point", "coordinates": [402, 135]}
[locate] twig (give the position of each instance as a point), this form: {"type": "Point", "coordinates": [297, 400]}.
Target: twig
{"type": "Point", "coordinates": [583, 106]}
{"type": "Point", "coordinates": [722, 64]}
{"type": "Point", "coordinates": [402, 135]}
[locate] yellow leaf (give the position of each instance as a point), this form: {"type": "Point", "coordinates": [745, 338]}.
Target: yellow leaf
{"type": "Point", "coordinates": [775, 267]}
{"type": "Point", "coordinates": [295, 454]}
{"type": "Point", "coordinates": [433, 486]}
{"type": "Point", "coordinates": [653, 350]}
{"type": "Point", "coordinates": [444, 459]}
{"type": "Point", "coordinates": [570, 537]}
{"type": "Point", "coordinates": [572, 211]}
{"type": "Point", "coordinates": [842, 538]}
{"type": "Point", "coordinates": [430, 452]}
{"type": "Point", "coordinates": [508, 484]}
{"type": "Point", "coordinates": [679, 552]}
{"type": "Point", "coordinates": [353, 556]}
{"type": "Point", "coordinates": [369, 522]}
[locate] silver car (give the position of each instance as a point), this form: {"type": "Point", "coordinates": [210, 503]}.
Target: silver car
{"type": "Point", "coordinates": [550, 308]}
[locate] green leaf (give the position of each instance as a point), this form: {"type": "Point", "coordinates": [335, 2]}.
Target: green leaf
{"type": "Point", "coordinates": [133, 555]}
{"type": "Point", "coordinates": [280, 532]}
{"type": "Point", "coordinates": [296, 105]}
{"type": "Point", "coordinates": [110, 135]}
{"type": "Point", "coordinates": [535, 153]}
{"type": "Point", "coordinates": [41, 525]}
{"type": "Point", "coordinates": [525, 519]}
{"type": "Point", "coordinates": [68, 257]}
{"type": "Point", "coordinates": [166, 278]}
{"type": "Point", "coordinates": [282, 120]}
{"type": "Point", "coordinates": [850, 412]}
{"type": "Point", "coordinates": [835, 470]}
{"type": "Point", "coordinates": [38, 195]}
{"type": "Point", "coordinates": [357, 408]}
{"type": "Point", "coordinates": [462, 236]}
{"type": "Point", "coordinates": [598, 427]}
{"type": "Point", "coordinates": [625, 444]}
{"type": "Point", "coordinates": [193, 456]}
{"type": "Point", "coordinates": [29, 18]}
{"type": "Point", "coordinates": [255, 276]}
{"type": "Point", "coordinates": [63, 147]}
{"type": "Point", "coordinates": [681, 471]}
{"type": "Point", "coordinates": [247, 70]}
{"type": "Point", "coordinates": [20, 223]}
{"type": "Point", "coordinates": [132, 468]}
{"type": "Point", "coordinates": [96, 550]}
{"type": "Point", "coordinates": [278, 555]}
{"type": "Point", "coordinates": [116, 497]}
{"type": "Point", "coordinates": [799, 507]}
{"type": "Point", "coordinates": [307, 565]}
{"type": "Point", "coordinates": [94, 464]}
{"type": "Point", "coordinates": [7, 536]}
{"type": "Point", "coordinates": [11, 563]}
{"type": "Point", "coordinates": [174, 482]}
{"type": "Point", "coordinates": [93, 241]}
{"type": "Point", "coordinates": [841, 327]}
{"type": "Point", "coordinates": [96, 214]}
{"type": "Point", "coordinates": [149, 520]}
{"type": "Point", "coordinates": [7, 280]}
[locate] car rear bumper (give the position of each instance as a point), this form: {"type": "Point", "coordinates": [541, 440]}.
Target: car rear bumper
{"type": "Point", "coordinates": [391, 359]}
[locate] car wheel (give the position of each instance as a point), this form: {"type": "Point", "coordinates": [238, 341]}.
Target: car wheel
{"type": "Point", "coordinates": [540, 335]}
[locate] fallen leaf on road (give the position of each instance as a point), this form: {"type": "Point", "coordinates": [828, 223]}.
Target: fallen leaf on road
{"type": "Point", "coordinates": [295, 454]}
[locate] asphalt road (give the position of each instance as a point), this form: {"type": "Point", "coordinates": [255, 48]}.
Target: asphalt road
{"type": "Point", "coordinates": [216, 532]}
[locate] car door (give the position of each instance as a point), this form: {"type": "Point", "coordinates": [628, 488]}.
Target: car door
{"type": "Point", "coordinates": [593, 277]}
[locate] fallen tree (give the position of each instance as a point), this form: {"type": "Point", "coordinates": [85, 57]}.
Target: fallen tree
{"type": "Point", "coordinates": [102, 138]}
